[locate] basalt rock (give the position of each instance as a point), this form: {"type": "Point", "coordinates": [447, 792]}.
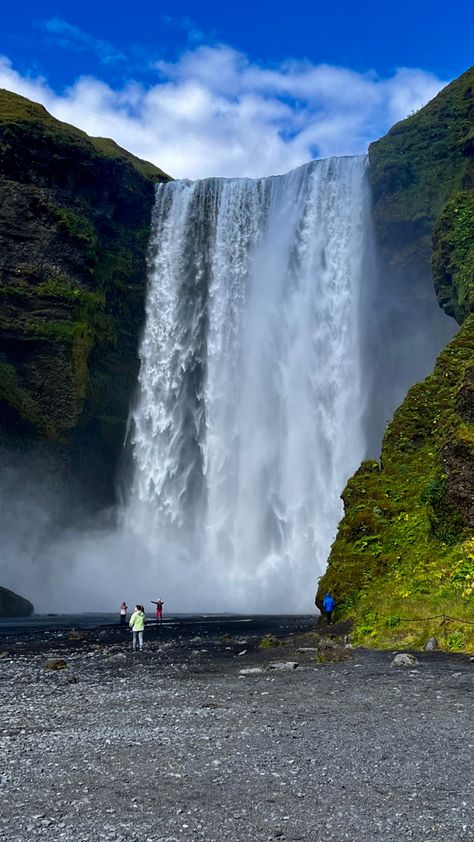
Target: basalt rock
{"type": "Point", "coordinates": [13, 605]}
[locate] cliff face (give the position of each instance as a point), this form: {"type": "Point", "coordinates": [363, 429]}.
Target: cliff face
{"type": "Point", "coordinates": [74, 223]}
{"type": "Point", "coordinates": [422, 174]}
{"type": "Point", "coordinates": [405, 547]}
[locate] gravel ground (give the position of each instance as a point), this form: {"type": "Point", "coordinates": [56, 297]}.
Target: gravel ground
{"type": "Point", "coordinates": [175, 744]}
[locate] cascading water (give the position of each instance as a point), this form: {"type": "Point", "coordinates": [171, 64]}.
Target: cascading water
{"type": "Point", "coordinates": [248, 419]}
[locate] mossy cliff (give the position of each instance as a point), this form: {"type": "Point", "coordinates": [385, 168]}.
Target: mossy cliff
{"type": "Point", "coordinates": [422, 174]}
{"type": "Point", "coordinates": [74, 224]}
{"type": "Point", "coordinates": [405, 547]}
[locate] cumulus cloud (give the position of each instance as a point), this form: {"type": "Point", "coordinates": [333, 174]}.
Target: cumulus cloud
{"type": "Point", "coordinates": [215, 112]}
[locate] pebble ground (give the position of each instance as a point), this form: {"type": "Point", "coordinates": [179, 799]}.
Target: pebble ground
{"type": "Point", "coordinates": [173, 744]}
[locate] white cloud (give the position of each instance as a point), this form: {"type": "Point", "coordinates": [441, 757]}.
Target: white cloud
{"type": "Point", "coordinates": [71, 37]}
{"type": "Point", "coordinates": [214, 112]}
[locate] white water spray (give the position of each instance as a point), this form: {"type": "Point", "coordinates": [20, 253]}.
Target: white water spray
{"type": "Point", "coordinates": [248, 421]}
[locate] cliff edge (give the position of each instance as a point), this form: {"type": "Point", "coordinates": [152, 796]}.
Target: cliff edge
{"type": "Point", "coordinates": [74, 224]}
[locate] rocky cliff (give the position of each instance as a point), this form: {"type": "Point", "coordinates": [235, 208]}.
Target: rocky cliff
{"type": "Point", "coordinates": [405, 547]}
{"type": "Point", "coordinates": [13, 605]}
{"type": "Point", "coordinates": [74, 223]}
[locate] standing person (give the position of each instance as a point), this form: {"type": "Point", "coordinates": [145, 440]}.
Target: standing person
{"type": "Point", "coordinates": [123, 613]}
{"type": "Point", "coordinates": [137, 624]}
{"type": "Point", "coordinates": [159, 609]}
{"type": "Point", "coordinates": [328, 607]}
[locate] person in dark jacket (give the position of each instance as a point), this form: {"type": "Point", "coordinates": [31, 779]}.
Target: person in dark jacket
{"type": "Point", "coordinates": [159, 609]}
{"type": "Point", "coordinates": [328, 607]}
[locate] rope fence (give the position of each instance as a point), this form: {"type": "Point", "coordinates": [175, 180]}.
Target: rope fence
{"type": "Point", "coordinates": [445, 618]}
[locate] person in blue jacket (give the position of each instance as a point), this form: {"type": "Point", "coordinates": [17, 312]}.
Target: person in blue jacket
{"type": "Point", "coordinates": [328, 607]}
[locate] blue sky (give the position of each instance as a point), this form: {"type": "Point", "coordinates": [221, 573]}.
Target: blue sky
{"type": "Point", "coordinates": [247, 88]}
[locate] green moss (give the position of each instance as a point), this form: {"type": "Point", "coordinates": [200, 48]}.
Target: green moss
{"type": "Point", "coordinates": [79, 228]}
{"type": "Point", "coordinates": [405, 547]}
{"type": "Point", "coordinates": [453, 255]}
{"type": "Point", "coordinates": [12, 393]}
{"type": "Point", "coordinates": [270, 642]}
{"type": "Point", "coordinates": [85, 300]}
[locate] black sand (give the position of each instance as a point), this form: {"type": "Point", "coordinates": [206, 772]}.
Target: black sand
{"type": "Point", "coordinates": [174, 744]}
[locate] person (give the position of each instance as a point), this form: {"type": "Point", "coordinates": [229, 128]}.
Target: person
{"type": "Point", "coordinates": [137, 625]}
{"type": "Point", "coordinates": [159, 609]}
{"type": "Point", "coordinates": [328, 607]}
{"type": "Point", "coordinates": [123, 613]}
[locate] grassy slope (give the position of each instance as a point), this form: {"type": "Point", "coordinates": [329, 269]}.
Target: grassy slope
{"type": "Point", "coordinates": [405, 547]}
{"type": "Point", "coordinates": [16, 110]}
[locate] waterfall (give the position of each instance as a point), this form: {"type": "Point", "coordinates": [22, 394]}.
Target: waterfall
{"type": "Point", "coordinates": [248, 420]}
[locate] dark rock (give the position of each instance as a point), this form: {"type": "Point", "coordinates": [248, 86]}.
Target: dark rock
{"type": "Point", "coordinates": [56, 664]}
{"type": "Point", "coordinates": [458, 462]}
{"type": "Point", "coordinates": [13, 605]}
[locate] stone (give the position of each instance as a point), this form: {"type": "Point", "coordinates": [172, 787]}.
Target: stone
{"type": "Point", "coordinates": [71, 679]}
{"type": "Point", "coordinates": [3, 655]}
{"type": "Point", "coordinates": [334, 654]}
{"type": "Point", "coordinates": [431, 645]}
{"type": "Point", "coordinates": [251, 671]}
{"type": "Point", "coordinates": [56, 664]}
{"type": "Point", "coordinates": [14, 605]}
{"type": "Point", "coordinates": [404, 659]}
{"type": "Point", "coordinates": [306, 649]}
{"type": "Point", "coordinates": [76, 635]}
{"type": "Point", "coordinates": [284, 665]}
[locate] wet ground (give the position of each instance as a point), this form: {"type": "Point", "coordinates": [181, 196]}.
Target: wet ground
{"type": "Point", "coordinates": [175, 743]}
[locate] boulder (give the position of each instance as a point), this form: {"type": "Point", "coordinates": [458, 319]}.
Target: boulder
{"type": "Point", "coordinates": [251, 671]}
{"type": "Point", "coordinates": [404, 659]}
{"type": "Point", "coordinates": [334, 654]}
{"type": "Point", "coordinates": [14, 605]}
{"type": "Point", "coordinates": [284, 665]}
{"type": "Point", "coordinates": [431, 645]}
{"type": "Point", "coordinates": [56, 664]}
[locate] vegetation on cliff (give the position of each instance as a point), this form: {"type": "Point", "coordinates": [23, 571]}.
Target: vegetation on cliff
{"type": "Point", "coordinates": [75, 213]}
{"type": "Point", "coordinates": [405, 547]}
{"type": "Point", "coordinates": [416, 170]}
